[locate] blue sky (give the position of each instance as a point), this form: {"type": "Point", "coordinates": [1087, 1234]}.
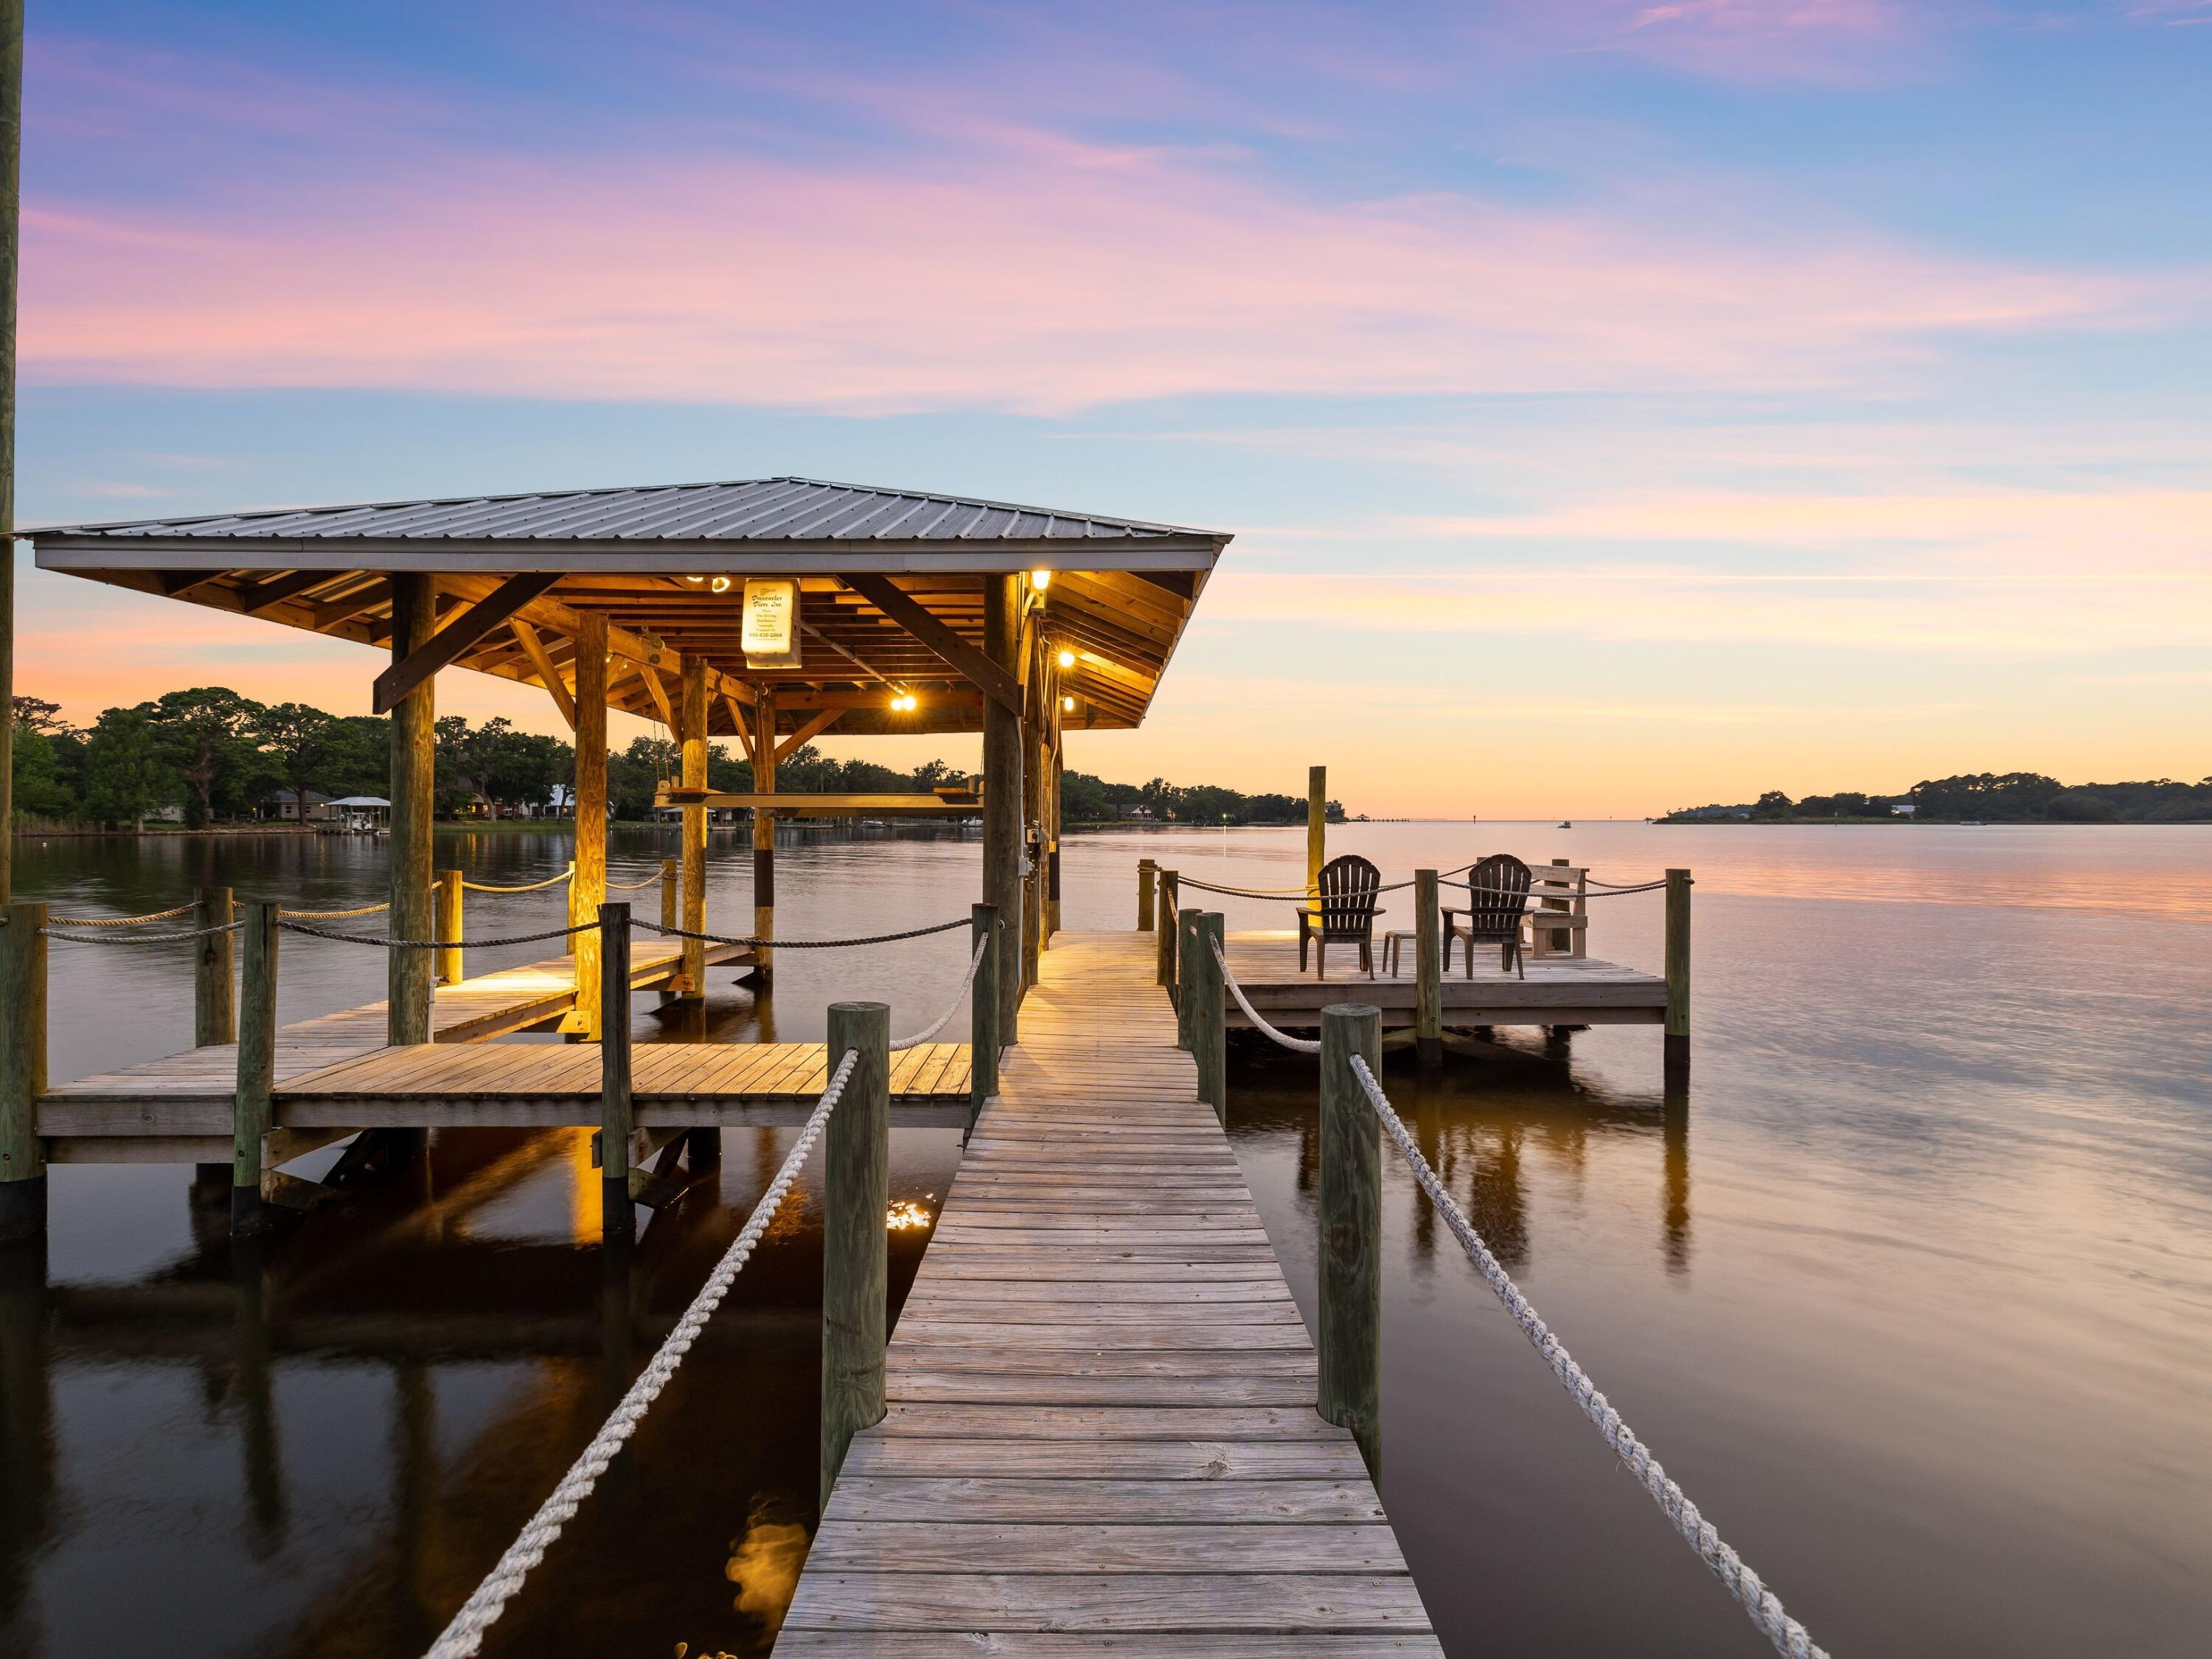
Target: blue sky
{"type": "Point", "coordinates": [1713, 396]}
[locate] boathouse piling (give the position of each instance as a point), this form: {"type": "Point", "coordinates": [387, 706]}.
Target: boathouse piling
{"type": "Point", "coordinates": [22, 1070]}
{"type": "Point", "coordinates": [693, 710]}
{"type": "Point", "coordinates": [1186, 977]}
{"type": "Point", "coordinates": [616, 1116]}
{"type": "Point", "coordinates": [670, 894]}
{"type": "Point", "coordinates": [855, 1250]}
{"type": "Point", "coordinates": [587, 888]}
{"type": "Point", "coordinates": [1351, 1230]}
{"type": "Point", "coordinates": [982, 1013]}
{"type": "Point", "coordinates": [1317, 830]}
{"type": "Point", "coordinates": [254, 1106]}
{"type": "Point", "coordinates": [1146, 868]}
{"type": "Point", "coordinates": [448, 953]}
{"type": "Point", "coordinates": [1209, 1021]}
{"type": "Point", "coordinates": [214, 995]}
{"type": "Point", "coordinates": [1428, 971]}
{"type": "Point", "coordinates": [414, 736]}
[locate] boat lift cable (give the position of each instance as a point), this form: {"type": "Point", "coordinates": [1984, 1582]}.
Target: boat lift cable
{"type": "Point", "coordinates": [1788, 1636]}
{"type": "Point", "coordinates": [464, 1635]}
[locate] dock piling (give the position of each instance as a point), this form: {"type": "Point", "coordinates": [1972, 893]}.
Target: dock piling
{"type": "Point", "coordinates": [1145, 870]}
{"type": "Point", "coordinates": [254, 1106]}
{"type": "Point", "coordinates": [1186, 976]}
{"type": "Point", "coordinates": [670, 916]}
{"type": "Point", "coordinates": [215, 991]}
{"type": "Point", "coordinates": [1677, 1062]}
{"type": "Point", "coordinates": [1428, 971]}
{"type": "Point", "coordinates": [1209, 1021]}
{"type": "Point", "coordinates": [982, 1014]}
{"type": "Point", "coordinates": [614, 1115]}
{"type": "Point", "coordinates": [1165, 931]}
{"type": "Point", "coordinates": [855, 1253]}
{"type": "Point", "coordinates": [22, 1071]}
{"type": "Point", "coordinates": [448, 954]}
{"type": "Point", "coordinates": [1351, 1226]}
{"type": "Point", "coordinates": [1316, 831]}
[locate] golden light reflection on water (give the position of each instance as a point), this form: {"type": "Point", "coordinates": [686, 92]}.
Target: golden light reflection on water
{"type": "Point", "coordinates": [906, 1216]}
{"type": "Point", "coordinates": [765, 1561]}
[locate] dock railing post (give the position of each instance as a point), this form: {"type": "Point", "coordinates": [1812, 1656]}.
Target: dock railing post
{"type": "Point", "coordinates": [669, 891]}
{"type": "Point", "coordinates": [254, 1107]}
{"type": "Point", "coordinates": [1209, 1023]}
{"type": "Point", "coordinates": [614, 1115]}
{"type": "Point", "coordinates": [855, 1256]}
{"type": "Point", "coordinates": [1428, 971]}
{"type": "Point", "coordinates": [982, 1014]}
{"type": "Point", "coordinates": [1144, 869]}
{"type": "Point", "coordinates": [22, 1070]}
{"type": "Point", "coordinates": [1677, 1062]}
{"type": "Point", "coordinates": [448, 953]}
{"type": "Point", "coordinates": [1351, 1230]}
{"type": "Point", "coordinates": [215, 990]}
{"type": "Point", "coordinates": [1165, 933]}
{"type": "Point", "coordinates": [1186, 973]}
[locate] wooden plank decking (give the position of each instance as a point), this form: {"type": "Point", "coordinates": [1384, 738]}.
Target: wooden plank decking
{"type": "Point", "coordinates": [1557, 991]}
{"type": "Point", "coordinates": [133, 1113]}
{"type": "Point", "coordinates": [1102, 1432]}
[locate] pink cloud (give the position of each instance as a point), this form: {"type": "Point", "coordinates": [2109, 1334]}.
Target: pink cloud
{"type": "Point", "coordinates": [1821, 40]}
{"type": "Point", "coordinates": [1044, 274]}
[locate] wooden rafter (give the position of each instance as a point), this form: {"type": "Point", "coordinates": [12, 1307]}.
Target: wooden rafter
{"type": "Point", "coordinates": [999, 686]}
{"type": "Point", "coordinates": [821, 722]}
{"type": "Point", "coordinates": [457, 636]}
{"type": "Point", "coordinates": [534, 648]}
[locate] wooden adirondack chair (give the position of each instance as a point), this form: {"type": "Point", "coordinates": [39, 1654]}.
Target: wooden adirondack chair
{"type": "Point", "coordinates": [1500, 900]}
{"type": "Point", "coordinates": [1349, 887]}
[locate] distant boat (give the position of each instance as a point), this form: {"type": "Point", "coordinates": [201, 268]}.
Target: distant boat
{"type": "Point", "coordinates": [1564, 824]}
{"type": "Point", "coordinates": [1474, 817]}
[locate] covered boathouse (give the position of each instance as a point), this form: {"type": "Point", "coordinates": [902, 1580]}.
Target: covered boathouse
{"type": "Point", "coordinates": [865, 611]}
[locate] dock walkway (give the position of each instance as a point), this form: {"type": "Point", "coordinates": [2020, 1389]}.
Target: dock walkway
{"type": "Point", "coordinates": [1102, 1429]}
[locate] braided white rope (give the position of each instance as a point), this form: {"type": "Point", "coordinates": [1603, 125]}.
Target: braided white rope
{"type": "Point", "coordinates": [466, 1634]}
{"type": "Point", "coordinates": [945, 1018]}
{"type": "Point", "coordinates": [549, 881]}
{"type": "Point", "coordinates": [1297, 1045]}
{"type": "Point", "coordinates": [122, 921]}
{"type": "Point", "coordinates": [1787, 1636]}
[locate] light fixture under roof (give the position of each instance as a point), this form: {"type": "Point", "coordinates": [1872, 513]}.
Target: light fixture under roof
{"type": "Point", "coordinates": [1067, 659]}
{"type": "Point", "coordinates": [1040, 579]}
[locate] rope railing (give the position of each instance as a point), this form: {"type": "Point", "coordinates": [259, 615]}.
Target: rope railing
{"type": "Point", "coordinates": [633, 886]}
{"type": "Point", "coordinates": [528, 887]}
{"type": "Point", "coordinates": [799, 944]}
{"type": "Point", "coordinates": [464, 1635]}
{"type": "Point", "coordinates": [52, 931]}
{"type": "Point", "coordinates": [983, 945]}
{"type": "Point", "coordinates": [1297, 1045]}
{"type": "Point", "coordinates": [289, 926]}
{"type": "Point", "coordinates": [333, 915]}
{"type": "Point", "coordinates": [1764, 1609]}
{"type": "Point", "coordinates": [122, 922]}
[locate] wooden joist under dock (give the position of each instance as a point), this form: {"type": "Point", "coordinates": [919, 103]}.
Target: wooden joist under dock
{"type": "Point", "coordinates": [1102, 1427]}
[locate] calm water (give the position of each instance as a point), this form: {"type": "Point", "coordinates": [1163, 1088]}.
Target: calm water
{"type": "Point", "coordinates": [1913, 1291]}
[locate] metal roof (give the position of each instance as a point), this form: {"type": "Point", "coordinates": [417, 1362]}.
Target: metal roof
{"type": "Point", "coordinates": [807, 512]}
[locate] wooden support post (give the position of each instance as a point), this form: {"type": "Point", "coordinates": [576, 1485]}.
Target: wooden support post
{"type": "Point", "coordinates": [1677, 1063]}
{"type": "Point", "coordinates": [11, 147]}
{"type": "Point", "coordinates": [1209, 1023]}
{"type": "Point", "coordinates": [1145, 870]}
{"type": "Point", "coordinates": [1557, 941]}
{"type": "Point", "coordinates": [1428, 971]}
{"type": "Point", "coordinates": [982, 1015]}
{"type": "Point", "coordinates": [1002, 793]}
{"type": "Point", "coordinates": [254, 1107]}
{"type": "Point", "coordinates": [215, 988]}
{"type": "Point", "coordinates": [1186, 986]}
{"type": "Point", "coordinates": [1316, 831]}
{"type": "Point", "coordinates": [614, 1115]}
{"type": "Point", "coordinates": [1164, 935]}
{"type": "Point", "coordinates": [413, 735]}
{"type": "Point", "coordinates": [1351, 1230]}
{"type": "Point", "coordinates": [855, 1256]}
{"type": "Point", "coordinates": [448, 953]}
{"type": "Point", "coordinates": [1052, 827]}
{"type": "Point", "coordinates": [22, 1071]}
{"type": "Point", "coordinates": [671, 892]}
{"type": "Point", "coordinates": [587, 887]}
{"type": "Point", "coordinates": [763, 829]}
{"type": "Point", "coordinates": [694, 846]}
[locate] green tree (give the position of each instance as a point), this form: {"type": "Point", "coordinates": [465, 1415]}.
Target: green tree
{"type": "Point", "coordinates": [127, 773]}
{"type": "Point", "coordinates": [207, 736]}
{"type": "Point", "coordinates": [299, 739]}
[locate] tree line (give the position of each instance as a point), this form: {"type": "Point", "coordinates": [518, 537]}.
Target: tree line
{"type": "Point", "coordinates": [222, 757]}
{"type": "Point", "coordinates": [1986, 797]}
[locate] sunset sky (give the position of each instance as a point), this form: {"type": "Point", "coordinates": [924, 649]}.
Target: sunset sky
{"type": "Point", "coordinates": [1618, 406]}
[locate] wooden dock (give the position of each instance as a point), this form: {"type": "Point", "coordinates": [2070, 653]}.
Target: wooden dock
{"type": "Point", "coordinates": [177, 1109]}
{"type": "Point", "coordinates": [1558, 990]}
{"type": "Point", "coordinates": [1101, 1430]}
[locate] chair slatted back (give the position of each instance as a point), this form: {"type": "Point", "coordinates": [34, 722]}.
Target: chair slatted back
{"type": "Point", "coordinates": [1500, 895]}
{"type": "Point", "coordinates": [1349, 887]}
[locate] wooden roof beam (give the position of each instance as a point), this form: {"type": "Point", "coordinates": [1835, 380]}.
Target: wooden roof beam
{"type": "Point", "coordinates": [458, 636]}
{"type": "Point", "coordinates": [1002, 687]}
{"type": "Point", "coordinates": [534, 648]}
{"type": "Point", "coordinates": [820, 722]}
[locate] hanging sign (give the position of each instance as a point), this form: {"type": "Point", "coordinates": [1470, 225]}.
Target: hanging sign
{"type": "Point", "coordinates": [771, 623]}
